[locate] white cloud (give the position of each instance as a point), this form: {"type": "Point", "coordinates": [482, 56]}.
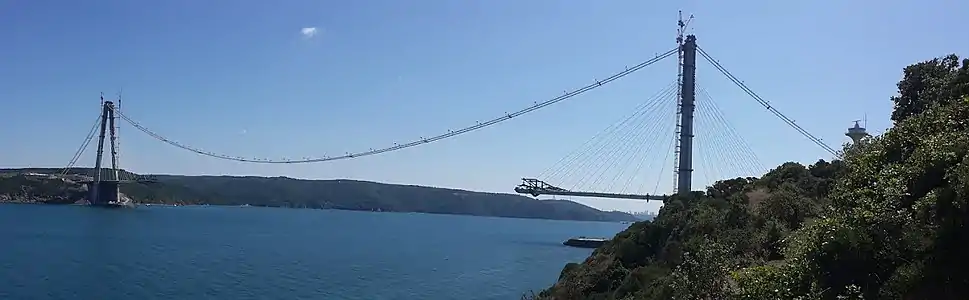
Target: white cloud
{"type": "Point", "coordinates": [308, 32]}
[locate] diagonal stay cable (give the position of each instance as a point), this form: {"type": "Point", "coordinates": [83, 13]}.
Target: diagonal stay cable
{"type": "Point", "coordinates": [84, 145]}
{"type": "Point", "coordinates": [594, 157]}
{"type": "Point", "coordinates": [640, 146]}
{"type": "Point", "coordinates": [747, 157]}
{"type": "Point", "coordinates": [418, 142]}
{"type": "Point", "coordinates": [568, 160]}
{"type": "Point", "coordinates": [619, 156]}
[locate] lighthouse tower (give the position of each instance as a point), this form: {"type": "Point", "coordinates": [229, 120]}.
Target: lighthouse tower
{"type": "Point", "coordinates": [856, 133]}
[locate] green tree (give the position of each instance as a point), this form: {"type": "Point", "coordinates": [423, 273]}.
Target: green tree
{"type": "Point", "coordinates": [926, 84]}
{"type": "Point", "coordinates": [898, 225]}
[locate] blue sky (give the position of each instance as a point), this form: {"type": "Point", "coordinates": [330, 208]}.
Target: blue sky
{"type": "Point", "coordinates": [242, 78]}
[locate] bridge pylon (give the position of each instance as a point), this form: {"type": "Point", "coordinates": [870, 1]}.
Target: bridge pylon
{"type": "Point", "coordinates": [104, 189]}
{"type": "Point", "coordinates": [684, 172]}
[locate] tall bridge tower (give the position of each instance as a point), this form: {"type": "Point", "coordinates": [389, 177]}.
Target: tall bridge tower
{"type": "Point", "coordinates": [685, 96]}
{"type": "Point", "coordinates": [684, 172]}
{"type": "Point", "coordinates": [104, 188]}
{"type": "Point", "coordinates": [683, 153]}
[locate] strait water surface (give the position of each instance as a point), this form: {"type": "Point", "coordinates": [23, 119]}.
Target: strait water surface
{"type": "Point", "coordinates": [206, 252]}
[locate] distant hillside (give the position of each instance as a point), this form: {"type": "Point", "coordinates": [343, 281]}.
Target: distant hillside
{"type": "Point", "coordinates": [645, 216]}
{"type": "Point", "coordinates": [331, 194]}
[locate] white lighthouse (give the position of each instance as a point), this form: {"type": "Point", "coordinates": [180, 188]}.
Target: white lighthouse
{"type": "Point", "coordinates": [856, 133]}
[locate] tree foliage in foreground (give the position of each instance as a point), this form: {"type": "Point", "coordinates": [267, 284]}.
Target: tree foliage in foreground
{"type": "Point", "coordinates": [887, 222]}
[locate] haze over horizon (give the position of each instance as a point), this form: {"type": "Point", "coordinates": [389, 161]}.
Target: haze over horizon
{"type": "Point", "coordinates": [310, 78]}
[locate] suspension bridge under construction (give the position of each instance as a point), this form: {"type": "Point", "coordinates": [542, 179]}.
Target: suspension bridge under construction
{"type": "Point", "coordinates": [677, 103]}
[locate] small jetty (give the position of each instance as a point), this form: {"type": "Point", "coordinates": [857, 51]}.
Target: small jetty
{"type": "Point", "coordinates": [584, 242]}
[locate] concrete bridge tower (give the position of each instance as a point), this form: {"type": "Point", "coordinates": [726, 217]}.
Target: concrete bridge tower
{"type": "Point", "coordinates": [104, 189]}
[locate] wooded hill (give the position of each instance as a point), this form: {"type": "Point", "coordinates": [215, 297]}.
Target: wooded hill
{"type": "Point", "coordinates": [887, 222]}
{"type": "Point", "coordinates": [298, 193]}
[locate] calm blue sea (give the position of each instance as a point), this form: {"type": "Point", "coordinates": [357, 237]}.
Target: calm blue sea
{"type": "Point", "coordinates": [207, 252]}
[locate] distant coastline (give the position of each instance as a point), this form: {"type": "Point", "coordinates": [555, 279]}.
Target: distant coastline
{"type": "Point", "coordinates": [39, 186]}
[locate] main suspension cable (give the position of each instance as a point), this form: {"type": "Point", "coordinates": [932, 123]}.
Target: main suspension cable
{"type": "Point", "coordinates": [396, 147]}
{"type": "Point", "coordinates": [766, 104]}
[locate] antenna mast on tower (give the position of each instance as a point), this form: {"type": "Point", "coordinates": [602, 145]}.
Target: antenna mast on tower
{"type": "Point", "coordinates": [680, 32]}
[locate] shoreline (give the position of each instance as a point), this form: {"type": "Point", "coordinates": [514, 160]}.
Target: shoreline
{"type": "Point", "coordinates": [136, 205]}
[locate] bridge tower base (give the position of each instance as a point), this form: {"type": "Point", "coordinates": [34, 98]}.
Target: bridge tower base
{"type": "Point", "coordinates": [105, 193]}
